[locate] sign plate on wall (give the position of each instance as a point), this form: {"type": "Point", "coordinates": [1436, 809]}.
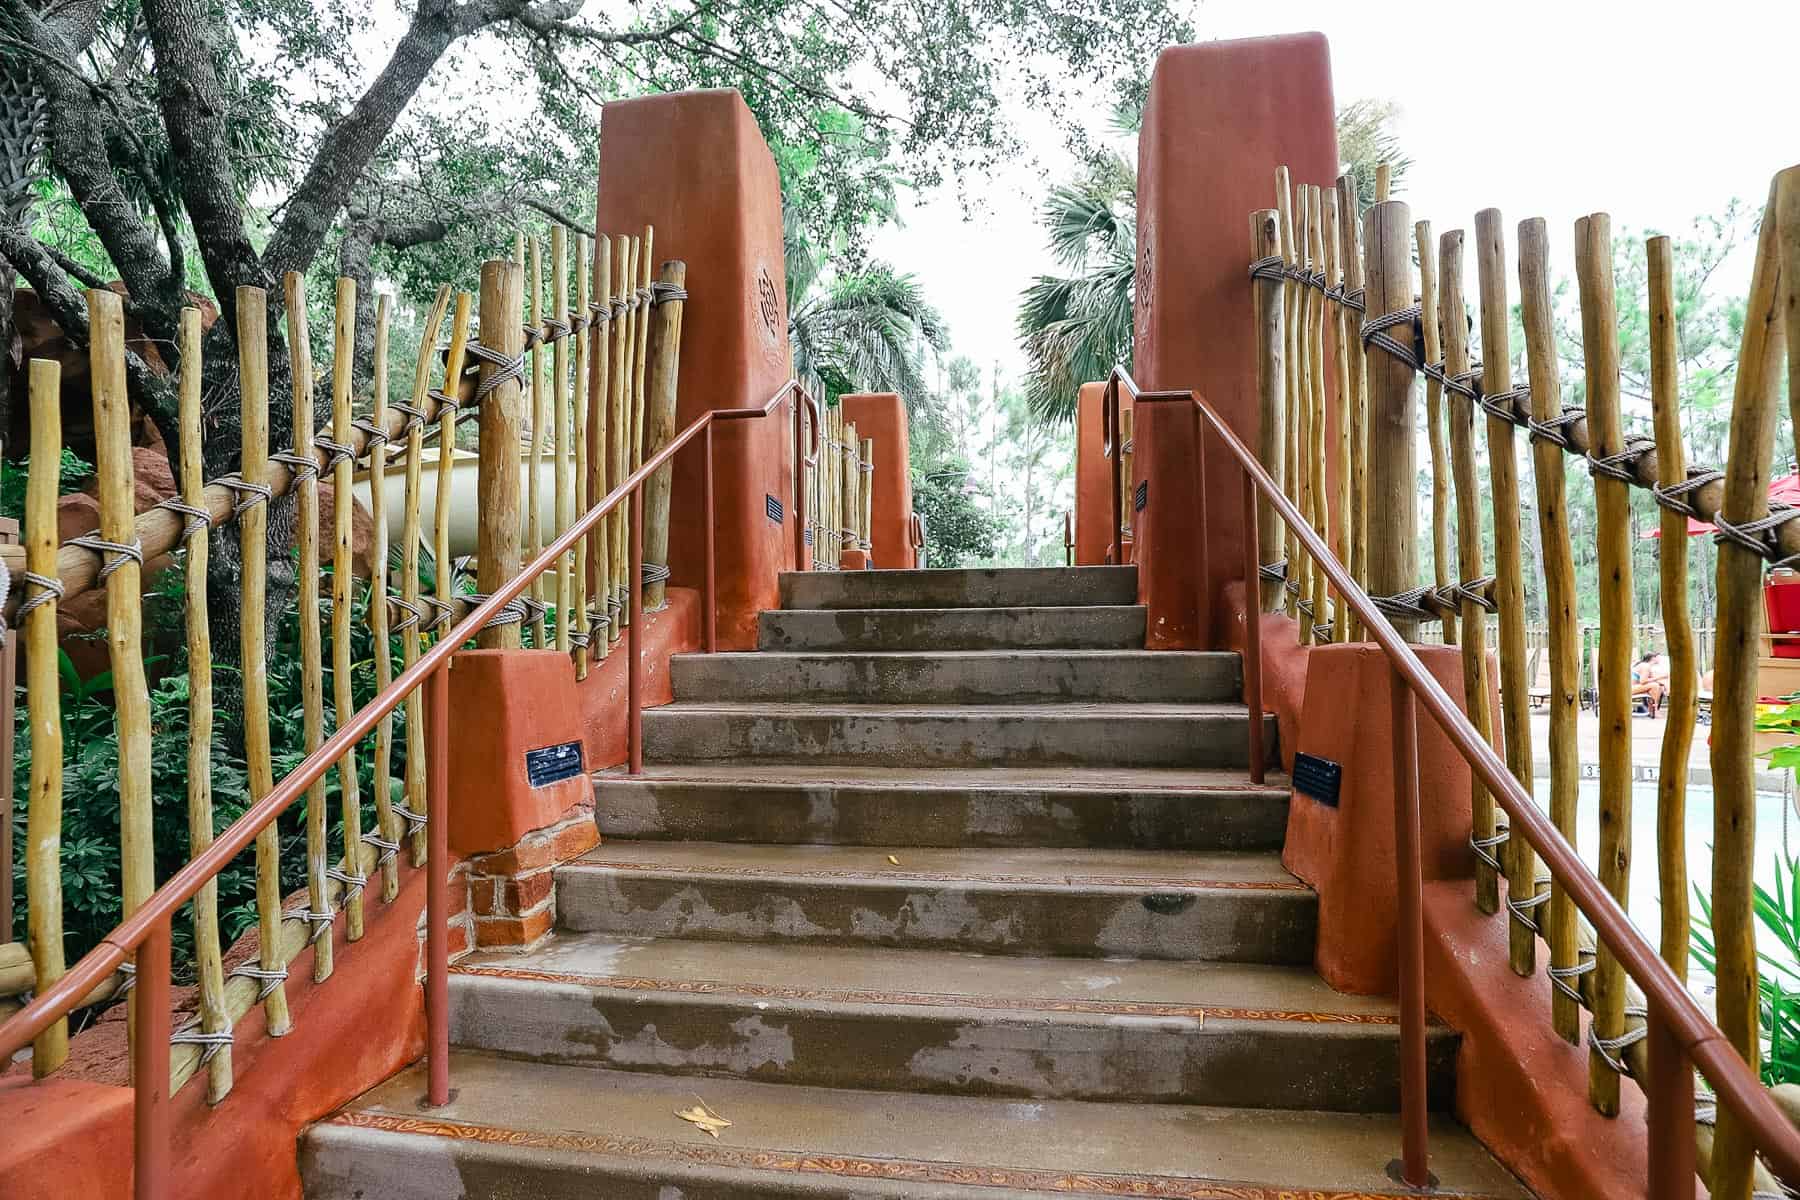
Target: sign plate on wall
{"type": "Point", "coordinates": [773, 506]}
{"type": "Point", "coordinates": [552, 764]}
{"type": "Point", "coordinates": [1317, 777]}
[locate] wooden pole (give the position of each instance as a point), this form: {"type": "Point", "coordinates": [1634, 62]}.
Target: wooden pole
{"type": "Point", "coordinates": [1509, 576]}
{"type": "Point", "coordinates": [447, 415]}
{"type": "Point", "coordinates": [1384, 182]}
{"type": "Point", "coordinates": [1612, 506]}
{"type": "Point", "coordinates": [1563, 635]}
{"type": "Point", "coordinates": [1678, 633]}
{"type": "Point", "coordinates": [312, 644]}
{"type": "Point", "coordinates": [43, 708]}
{"type": "Point", "coordinates": [1735, 692]}
{"type": "Point", "coordinates": [1358, 399]}
{"type": "Point", "coordinates": [497, 544]}
{"type": "Point", "coordinates": [623, 266]}
{"type": "Point", "coordinates": [1296, 582]}
{"type": "Point", "coordinates": [599, 439]}
{"type": "Point", "coordinates": [387, 825]}
{"type": "Point", "coordinates": [565, 432]}
{"type": "Point", "coordinates": [661, 378]}
{"type": "Point", "coordinates": [866, 527]}
{"type": "Point", "coordinates": [1306, 403]}
{"type": "Point", "coordinates": [343, 596]}
{"type": "Point", "coordinates": [253, 553]}
{"type": "Point", "coordinates": [209, 970]}
{"type": "Point", "coordinates": [1442, 577]}
{"type": "Point", "coordinates": [1315, 355]}
{"type": "Point", "coordinates": [413, 634]}
{"type": "Point", "coordinates": [1453, 327]}
{"type": "Point", "coordinates": [124, 597]}
{"type": "Point", "coordinates": [579, 403]}
{"type": "Point", "coordinates": [1393, 540]}
{"type": "Point", "coordinates": [1271, 384]}
{"type": "Point", "coordinates": [1342, 334]}
{"type": "Point", "coordinates": [1125, 451]}
{"type": "Point", "coordinates": [540, 423]}
{"type": "Point", "coordinates": [639, 285]}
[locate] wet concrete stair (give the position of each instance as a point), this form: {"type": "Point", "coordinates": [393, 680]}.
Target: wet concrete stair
{"type": "Point", "coordinates": [950, 890]}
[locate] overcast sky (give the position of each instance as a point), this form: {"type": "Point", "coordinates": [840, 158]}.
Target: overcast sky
{"type": "Point", "coordinates": [1554, 109]}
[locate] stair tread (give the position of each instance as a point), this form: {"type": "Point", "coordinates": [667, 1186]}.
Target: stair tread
{"type": "Point", "coordinates": [1221, 996]}
{"type": "Point", "coordinates": [1069, 778]}
{"type": "Point", "coordinates": [1012, 867]}
{"type": "Point", "coordinates": [879, 1143]}
{"type": "Point", "coordinates": [1100, 653]}
{"type": "Point", "coordinates": [1066, 710]}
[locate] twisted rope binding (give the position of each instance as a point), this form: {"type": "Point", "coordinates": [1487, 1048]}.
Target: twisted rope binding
{"type": "Point", "coordinates": [1484, 847]}
{"type": "Point", "coordinates": [251, 494]}
{"type": "Point", "coordinates": [320, 921]}
{"type": "Point", "coordinates": [1585, 963]}
{"type": "Point", "coordinates": [443, 614]}
{"type": "Point", "coordinates": [410, 620]}
{"type": "Point", "coordinates": [579, 639]}
{"type": "Point", "coordinates": [665, 293]}
{"type": "Point", "coordinates": [376, 436]}
{"type": "Point", "coordinates": [352, 883]}
{"type": "Point", "coordinates": [335, 453]}
{"type": "Point", "coordinates": [1475, 591]}
{"type": "Point", "coordinates": [619, 307]}
{"type": "Point", "coordinates": [1270, 268]}
{"type": "Point", "coordinates": [197, 518]}
{"type": "Point", "coordinates": [1611, 1049]}
{"type": "Point", "coordinates": [598, 312]}
{"type": "Point", "coordinates": [535, 610]}
{"type": "Point", "coordinates": [1406, 606]}
{"type": "Point", "coordinates": [654, 573]}
{"type": "Point", "coordinates": [1759, 535]}
{"type": "Point", "coordinates": [113, 555]}
{"type": "Point", "coordinates": [1353, 300]}
{"type": "Point", "coordinates": [598, 619]}
{"type": "Point", "coordinates": [415, 417]}
{"type": "Point", "coordinates": [1555, 430]}
{"type": "Point", "coordinates": [1275, 571]}
{"type": "Point", "coordinates": [1618, 466]}
{"type": "Point", "coordinates": [267, 980]}
{"type": "Point", "coordinates": [1508, 405]}
{"type": "Point", "coordinates": [44, 589]}
{"type": "Point", "coordinates": [555, 329]}
{"type": "Point", "coordinates": [1675, 497]}
{"type": "Point", "coordinates": [415, 821]}
{"type": "Point", "coordinates": [1521, 909]}
{"type": "Point", "coordinates": [301, 467]}
{"type": "Point", "coordinates": [507, 369]}
{"type": "Point", "coordinates": [190, 1034]}
{"type": "Point", "coordinates": [1322, 631]}
{"type": "Point", "coordinates": [1293, 585]}
{"type": "Point", "coordinates": [1375, 333]}
{"type": "Point", "coordinates": [388, 849]}
{"type": "Point", "coordinates": [1305, 607]}
{"type": "Point", "coordinates": [128, 980]}
{"type": "Point", "coordinates": [642, 297]}
{"type": "Point", "coordinates": [511, 613]}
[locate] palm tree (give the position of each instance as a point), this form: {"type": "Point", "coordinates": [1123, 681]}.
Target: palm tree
{"type": "Point", "coordinates": [1076, 327]}
{"type": "Point", "coordinates": [862, 330]}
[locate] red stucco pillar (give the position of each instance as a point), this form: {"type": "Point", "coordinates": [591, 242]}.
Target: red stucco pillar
{"type": "Point", "coordinates": [694, 165]}
{"type": "Point", "coordinates": [882, 417]}
{"type": "Point", "coordinates": [1093, 478]}
{"type": "Point", "coordinates": [1221, 117]}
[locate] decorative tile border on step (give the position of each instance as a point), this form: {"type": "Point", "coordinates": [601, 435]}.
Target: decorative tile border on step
{"type": "Point", "coordinates": [1161, 1187]}
{"type": "Point", "coordinates": [1151, 882]}
{"type": "Point", "coordinates": [770, 991]}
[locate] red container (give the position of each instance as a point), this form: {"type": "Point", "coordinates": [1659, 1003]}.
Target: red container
{"type": "Point", "coordinates": [1781, 601]}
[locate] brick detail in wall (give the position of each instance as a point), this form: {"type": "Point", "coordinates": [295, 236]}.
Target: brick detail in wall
{"type": "Point", "coordinates": [511, 893]}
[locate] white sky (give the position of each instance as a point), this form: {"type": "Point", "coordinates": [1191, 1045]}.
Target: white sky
{"type": "Point", "coordinates": [1553, 109]}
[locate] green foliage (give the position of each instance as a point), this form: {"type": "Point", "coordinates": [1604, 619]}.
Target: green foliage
{"type": "Point", "coordinates": [1778, 975]}
{"type": "Point", "coordinates": [1365, 136]}
{"type": "Point", "coordinates": [74, 473]}
{"type": "Point", "coordinates": [958, 531]}
{"type": "Point", "coordinates": [90, 840]}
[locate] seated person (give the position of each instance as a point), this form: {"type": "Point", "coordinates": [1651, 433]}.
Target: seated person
{"type": "Point", "coordinates": [1650, 679]}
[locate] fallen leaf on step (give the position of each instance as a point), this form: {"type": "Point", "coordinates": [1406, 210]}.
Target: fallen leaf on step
{"type": "Point", "coordinates": [704, 1117]}
{"type": "Point", "coordinates": [893, 860]}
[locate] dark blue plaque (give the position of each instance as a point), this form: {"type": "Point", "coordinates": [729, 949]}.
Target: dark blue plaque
{"type": "Point", "coordinates": [552, 764]}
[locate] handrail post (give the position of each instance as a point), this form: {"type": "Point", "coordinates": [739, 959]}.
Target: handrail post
{"type": "Point", "coordinates": [1110, 414]}
{"type": "Point", "coordinates": [634, 668]}
{"type": "Point", "coordinates": [1670, 1092]}
{"type": "Point", "coordinates": [1259, 752]}
{"type": "Point", "coordinates": [437, 888]}
{"type": "Point", "coordinates": [709, 622]}
{"type": "Point", "coordinates": [1203, 599]}
{"type": "Point", "coordinates": [801, 562]}
{"type": "Point", "coordinates": [150, 1067]}
{"type": "Point", "coordinates": [1414, 1097]}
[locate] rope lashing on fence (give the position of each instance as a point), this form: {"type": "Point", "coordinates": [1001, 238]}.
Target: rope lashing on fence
{"type": "Point", "coordinates": [643, 297]}
{"type": "Point", "coordinates": [197, 518]}
{"type": "Point", "coordinates": [1521, 909]}
{"type": "Point", "coordinates": [302, 467]}
{"type": "Point", "coordinates": [127, 972]}
{"type": "Point", "coordinates": [415, 821]}
{"type": "Point", "coordinates": [1556, 429]}
{"type": "Point", "coordinates": [318, 919]}
{"type": "Point", "coordinates": [1275, 571]}
{"type": "Point", "coordinates": [1271, 268]}
{"type": "Point", "coordinates": [1375, 333]}
{"type": "Point", "coordinates": [1464, 385]}
{"type": "Point", "coordinates": [598, 618]}
{"type": "Point", "coordinates": [250, 494]}
{"type": "Point", "coordinates": [190, 1034]}
{"type": "Point", "coordinates": [1322, 631]}
{"type": "Point", "coordinates": [1585, 962]}
{"type": "Point", "coordinates": [1484, 847]}
{"type": "Point", "coordinates": [1675, 497]}
{"type": "Point", "coordinates": [1758, 536]}
{"type": "Point", "coordinates": [442, 614]}
{"type": "Point", "coordinates": [654, 573]}
{"type": "Point", "coordinates": [352, 883]}
{"type": "Point", "coordinates": [511, 613]}
{"type": "Point", "coordinates": [663, 293]}
{"type": "Point", "coordinates": [415, 417]}
{"type": "Point", "coordinates": [267, 980]}
{"type": "Point", "coordinates": [410, 620]}
{"type": "Point", "coordinates": [335, 452]}
{"type": "Point", "coordinates": [376, 436]}
{"type": "Point", "coordinates": [507, 369]}
{"type": "Point", "coordinates": [1619, 466]}
{"type": "Point", "coordinates": [1407, 606]}
{"type": "Point", "coordinates": [388, 849]}
{"type": "Point", "coordinates": [1476, 591]}
{"type": "Point", "coordinates": [113, 555]}
{"type": "Point", "coordinates": [579, 639]}
{"type": "Point", "coordinates": [1611, 1050]}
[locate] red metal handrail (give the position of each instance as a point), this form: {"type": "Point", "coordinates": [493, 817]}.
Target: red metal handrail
{"type": "Point", "coordinates": [147, 931]}
{"type": "Point", "coordinates": [1680, 1035]}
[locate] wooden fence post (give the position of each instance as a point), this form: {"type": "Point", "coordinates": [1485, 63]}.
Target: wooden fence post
{"type": "Point", "coordinates": [1442, 567]}
{"type": "Point", "coordinates": [1271, 385]}
{"type": "Point", "coordinates": [343, 597]}
{"type": "Point", "coordinates": [1358, 398]}
{"type": "Point", "coordinates": [563, 422]}
{"type": "Point", "coordinates": [1393, 540]}
{"type": "Point", "coordinates": [661, 379]}
{"type": "Point", "coordinates": [498, 529]}
{"type": "Point", "coordinates": [600, 434]}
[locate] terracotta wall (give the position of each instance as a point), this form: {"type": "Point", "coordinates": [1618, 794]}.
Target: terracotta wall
{"type": "Point", "coordinates": [1221, 117]}
{"type": "Point", "coordinates": [1093, 478]}
{"type": "Point", "coordinates": [882, 416]}
{"type": "Point", "coordinates": [694, 165]}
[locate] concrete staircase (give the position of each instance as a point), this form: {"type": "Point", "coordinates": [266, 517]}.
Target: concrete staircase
{"type": "Point", "coordinates": [950, 890]}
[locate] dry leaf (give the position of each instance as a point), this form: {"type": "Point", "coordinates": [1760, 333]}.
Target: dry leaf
{"type": "Point", "coordinates": [704, 1117]}
{"type": "Point", "coordinates": [893, 860]}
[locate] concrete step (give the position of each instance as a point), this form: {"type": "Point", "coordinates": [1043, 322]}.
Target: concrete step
{"type": "Point", "coordinates": [952, 735]}
{"type": "Point", "coordinates": [965, 587]}
{"type": "Point", "coordinates": [516, 1129]}
{"type": "Point", "coordinates": [1157, 808]}
{"type": "Point", "coordinates": [1236, 907]}
{"type": "Point", "coordinates": [1113, 627]}
{"type": "Point", "coordinates": [966, 677]}
{"type": "Point", "coordinates": [926, 1021]}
